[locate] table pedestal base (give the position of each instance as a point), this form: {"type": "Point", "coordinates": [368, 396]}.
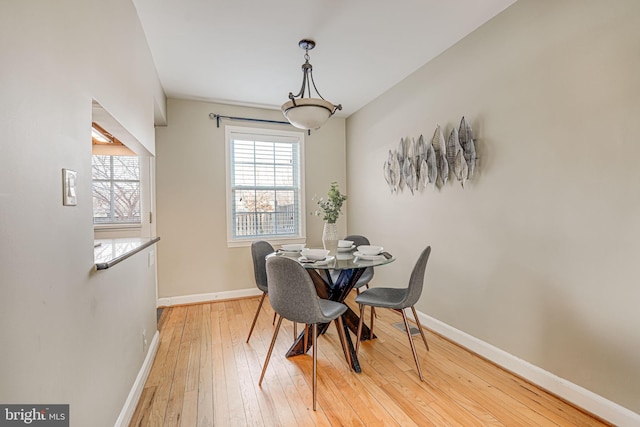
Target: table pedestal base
{"type": "Point", "coordinates": [337, 291]}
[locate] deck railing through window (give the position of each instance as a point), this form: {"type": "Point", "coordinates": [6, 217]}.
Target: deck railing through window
{"type": "Point", "coordinates": [279, 223]}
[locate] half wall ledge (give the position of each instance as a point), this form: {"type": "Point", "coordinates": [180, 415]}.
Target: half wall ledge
{"type": "Point", "coordinates": [109, 252]}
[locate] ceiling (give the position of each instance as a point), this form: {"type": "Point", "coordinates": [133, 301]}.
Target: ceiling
{"type": "Point", "coordinates": [246, 52]}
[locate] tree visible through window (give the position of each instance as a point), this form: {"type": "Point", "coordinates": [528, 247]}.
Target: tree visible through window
{"type": "Point", "coordinates": [116, 189]}
{"type": "Point", "coordinates": [265, 184]}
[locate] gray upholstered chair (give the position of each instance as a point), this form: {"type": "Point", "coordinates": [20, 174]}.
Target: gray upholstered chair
{"type": "Point", "coordinates": [398, 299]}
{"type": "Point", "coordinates": [366, 277]}
{"type": "Point", "coordinates": [293, 296]}
{"type": "Point", "coordinates": [259, 250]}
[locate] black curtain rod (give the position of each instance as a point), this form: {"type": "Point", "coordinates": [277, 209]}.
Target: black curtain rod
{"type": "Point", "coordinates": [246, 119]}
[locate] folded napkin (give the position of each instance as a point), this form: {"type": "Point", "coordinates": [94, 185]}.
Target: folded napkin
{"type": "Point", "coordinates": [386, 255]}
{"type": "Point", "coordinates": [305, 260]}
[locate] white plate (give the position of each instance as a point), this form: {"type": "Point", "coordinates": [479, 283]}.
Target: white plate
{"type": "Point", "coordinates": [357, 254]}
{"type": "Point", "coordinates": [347, 249]}
{"type": "Point", "coordinates": [320, 262]}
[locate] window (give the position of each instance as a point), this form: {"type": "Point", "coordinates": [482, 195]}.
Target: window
{"type": "Point", "coordinates": [265, 186]}
{"type": "Point", "coordinates": [116, 189]}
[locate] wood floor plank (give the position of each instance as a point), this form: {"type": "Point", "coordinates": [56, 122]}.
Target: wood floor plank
{"type": "Point", "coordinates": [539, 400]}
{"type": "Point", "coordinates": [436, 395]}
{"type": "Point", "coordinates": [473, 386]}
{"type": "Point", "coordinates": [189, 409]}
{"type": "Point", "coordinates": [166, 336]}
{"type": "Point", "coordinates": [142, 409]}
{"type": "Point", "coordinates": [165, 372]}
{"type": "Point", "coordinates": [303, 410]}
{"type": "Point", "coordinates": [352, 391]}
{"type": "Point", "coordinates": [254, 353]}
{"type": "Point", "coordinates": [205, 374]}
{"type": "Point", "coordinates": [245, 381]}
{"type": "Point", "coordinates": [535, 417]}
{"type": "Point", "coordinates": [396, 413]}
{"type": "Point", "coordinates": [175, 402]}
{"type": "Point", "coordinates": [480, 388]}
{"type": "Point", "coordinates": [220, 406]}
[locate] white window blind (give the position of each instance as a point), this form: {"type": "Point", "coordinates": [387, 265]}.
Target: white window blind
{"type": "Point", "coordinates": [265, 199]}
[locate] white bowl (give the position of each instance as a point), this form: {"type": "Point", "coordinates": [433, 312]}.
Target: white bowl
{"type": "Point", "coordinates": [370, 250]}
{"type": "Point", "coordinates": [314, 254]}
{"type": "Point", "coordinates": [293, 247]}
{"type": "Point", "coordinates": [345, 243]}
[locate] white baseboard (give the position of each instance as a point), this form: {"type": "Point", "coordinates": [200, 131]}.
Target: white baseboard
{"type": "Point", "coordinates": [581, 397]}
{"type": "Point", "coordinates": [134, 395]}
{"type": "Point", "coordinates": [213, 296]}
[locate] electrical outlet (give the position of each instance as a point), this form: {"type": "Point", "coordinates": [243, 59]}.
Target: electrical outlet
{"type": "Point", "coordinates": [145, 343]}
{"type": "Point", "coordinates": [152, 258]}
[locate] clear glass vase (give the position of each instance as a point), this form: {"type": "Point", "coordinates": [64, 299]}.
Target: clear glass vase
{"type": "Point", "coordinates": [330, 238]}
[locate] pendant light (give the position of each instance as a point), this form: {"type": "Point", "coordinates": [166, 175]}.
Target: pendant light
{"type": "Point", "coordinates": [308, 113]}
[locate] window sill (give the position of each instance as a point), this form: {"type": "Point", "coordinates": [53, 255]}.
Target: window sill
{"type": "Point", "coordinates": [273, 241]}
{"type": "Point", "coordinates": [115, 227]}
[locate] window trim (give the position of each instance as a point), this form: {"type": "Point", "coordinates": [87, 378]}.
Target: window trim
{"type": "Point", "coordinates": [117, 227]}
{"type": "Point", "coordinates": [271, 133]}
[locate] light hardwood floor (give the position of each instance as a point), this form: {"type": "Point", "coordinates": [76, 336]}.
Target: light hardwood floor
{"type": "Point", "coordinates": [205, 374]}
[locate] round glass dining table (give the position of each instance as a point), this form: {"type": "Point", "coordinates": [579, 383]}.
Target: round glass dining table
{"type": "Point", "coordinates": [334, 278]}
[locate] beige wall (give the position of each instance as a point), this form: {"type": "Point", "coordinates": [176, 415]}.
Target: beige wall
{"type": "Point", "coordinates": [68, 334]}
{"type": "Point", "coordinates": [538, 255]}
{"type": "Point", "coordinates": [191, 193]}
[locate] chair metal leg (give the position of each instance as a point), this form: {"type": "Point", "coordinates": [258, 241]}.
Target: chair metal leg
{"type": "Point", "coordinates": [274, 318]}
{"type": "Point", "coordinates": [413, 347]}
{"type": "Point", "coordinates": [359, 333]}
{"type": "Point", "coordinates": [373, 309]}
{"type": "Point", "coordinates": [415, 316]}
{"type": "Point", "coordinates": [255, 318]}
{"type": "Point", "coordinates": [372, 317]}
{"type": "Point", "coordinates": [306, 337]}
{"type": "Point", "coordinates": [295, 331]}
{"type": "Point", "coordinates": [273, 341]}
{"type": "Point", "coordinates": [314, 340]}
{"type": "Point", "coordinates": [343, 340]}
